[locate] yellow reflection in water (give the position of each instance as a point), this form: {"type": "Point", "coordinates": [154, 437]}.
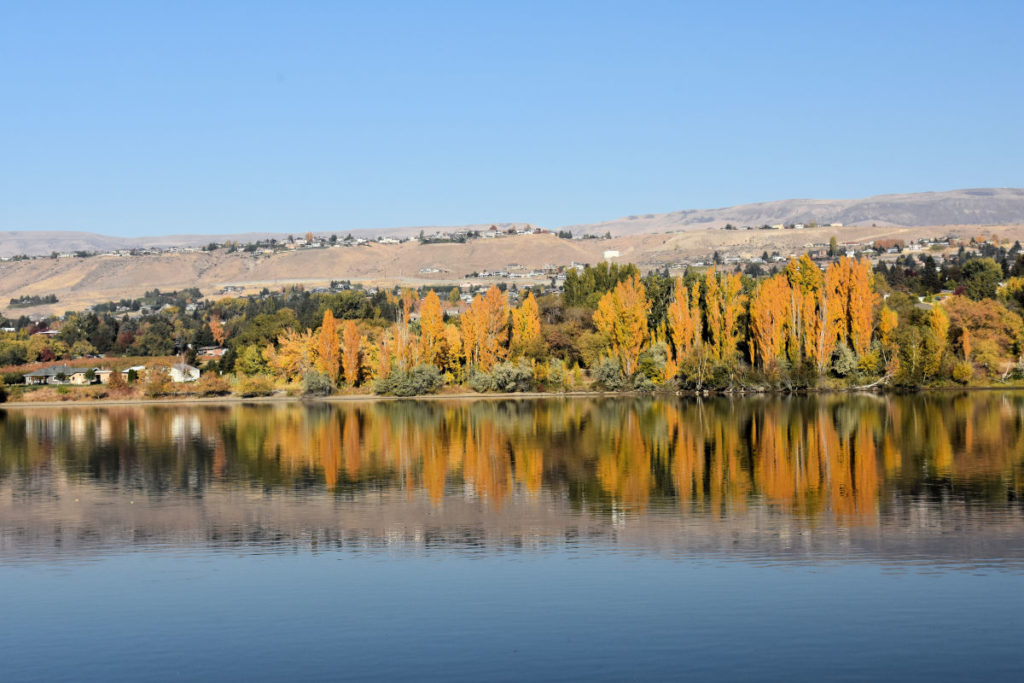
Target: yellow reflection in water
{"type": "Point", "coordinates": [842, 456]}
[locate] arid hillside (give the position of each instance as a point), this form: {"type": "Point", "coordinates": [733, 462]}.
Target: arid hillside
{"type": "Point", "coordinates": [982, 206]}
{"type": "Point", "coordinates": [79, 282]}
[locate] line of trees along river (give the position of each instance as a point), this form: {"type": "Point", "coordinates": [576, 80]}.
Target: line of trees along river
{"type": "Point", "coordinates": [611, 328]}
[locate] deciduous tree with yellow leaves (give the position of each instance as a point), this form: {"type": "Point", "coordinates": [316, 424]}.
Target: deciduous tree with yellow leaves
{"type": "Point", "coordinates": [485, 329]}
{"type": "Point", "coordinates": [525, 328]}
{"type": "Point", "coordinates": [723, 304]}
{"type": "Point", "coordinates": [351, 352]}
{"type": "Point", "coordinates": [622, 317]}
{"type": "Point", "coordinates": [431, 327]}
{"type": "Point", "coordinates": [328, 347]}
{"type": "Point", "coordinates": [770, 315]}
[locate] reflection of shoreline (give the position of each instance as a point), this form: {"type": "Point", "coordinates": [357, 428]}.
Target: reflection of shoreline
{"type": "Point", "coordinates": [342, 398]}
{"type": "Point", "coordinates": [87, 520]}
{"type": "Point", "coordinates": [807, 478]}
{"type": "Point", "coordinates": [473, 396]}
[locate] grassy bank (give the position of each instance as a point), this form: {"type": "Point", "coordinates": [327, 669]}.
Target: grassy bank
{"type": "Point", "coordinates": [48, 397]}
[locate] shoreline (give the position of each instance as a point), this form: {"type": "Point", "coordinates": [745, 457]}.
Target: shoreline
{"type": "Point", "coordinates": [470, 396]}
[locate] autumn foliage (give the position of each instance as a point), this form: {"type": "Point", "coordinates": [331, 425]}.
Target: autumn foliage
{"type": "Point", "coordinates": [622, 317]}
{"type": "Point", "coordinates": [704, 329]}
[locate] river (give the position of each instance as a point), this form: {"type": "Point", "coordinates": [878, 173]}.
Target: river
{"type": "Point", "coordinates": [759, 538]}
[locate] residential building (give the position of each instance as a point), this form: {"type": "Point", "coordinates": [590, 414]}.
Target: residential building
{"type": "Point", "coordinates": [183, 372]}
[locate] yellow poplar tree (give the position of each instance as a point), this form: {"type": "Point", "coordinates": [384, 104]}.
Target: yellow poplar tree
{"type": "Point", "coordinates": [861, 304]}
{"type": "Point", "coordinates": [451, 355]}
{"type": "Point", "coordinates": [485, 329]}
{"type": "Point", "coordinates": [825, 314]}
{"type": "Point", "coordinates": [723, 303]}
{"type": "Point", "coordinates": [328, 350]}
{"type": "Point", "coordinates": [622, 316]}
{"type": "Point", "coordinates": [807, 285]}
{"type": "Point", "coordinates": [525, 326]}
{"type": "Point", "coordinates": [683, 320]}
{"type": "Point", "coordinates": [769, 317]}
{"type": "Point", "coordinates": [887, 322]}
{"type": "Point", "coordinates": [351, 343]}
{"type": "Point", "coordinates": [431, 327]}
{"type": "Point", "coordinates": [938, 324]}
{"type": "Point", "coordinates": [733, 301]}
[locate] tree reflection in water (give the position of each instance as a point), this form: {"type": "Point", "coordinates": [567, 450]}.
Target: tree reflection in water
{"type": "Point", "coordinates": [838, 455]}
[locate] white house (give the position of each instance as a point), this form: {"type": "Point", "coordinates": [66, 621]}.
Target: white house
{"type": "Point", "coordinates": [183, 372]}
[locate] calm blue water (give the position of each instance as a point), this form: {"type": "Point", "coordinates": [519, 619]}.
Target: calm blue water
{"type": "Point", "coordinates": [568, 616]}
{"type": "Point", "coordinates": [139, 549]}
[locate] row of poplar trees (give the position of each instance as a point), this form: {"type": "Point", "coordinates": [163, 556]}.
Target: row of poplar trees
{"type": "Point", "coordinates": [801, 315]}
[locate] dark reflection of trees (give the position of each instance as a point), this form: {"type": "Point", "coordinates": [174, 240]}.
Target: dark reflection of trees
{"type": "Point", "coordinates": [849, 456]}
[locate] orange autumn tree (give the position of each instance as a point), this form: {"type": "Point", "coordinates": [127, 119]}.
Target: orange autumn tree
{"type": "Point", "coordinates": [806, 282]}
{"type": "Point", "coordinates": [450, 359]}
{"type": "Point", "coordinates": [684, 323]}
{"type": "Point", "coordinates": [830, 317]}
{"type": "Point", "coordinates": [723, 304]}
{"type": "Point", "coordinates": [431, 327]}
{"type": "Point", "coordinates": [350, 356]}
{"type": "Point", "coordinates": [328, 350]}
{"type": "Point", "coordinates": [815, 308]}
{"type": "Point", "coordinates": [217, 330]}
{"type": "Point", "coordinates": [770, 316]}
{"type": "Point", "coordinates": [294, 355]}
{"type": "Point", "coordinates": [622, 317]}
{"type": "Point", "coordinates": [860, 306]}
{"type": "Point", "coordinates": [485, 329]}
{"type": "Point", "coordinates": [685, 326]}
{"type": "Point", "coordinates": [525, 327]}
{"type": "Point", "coordinates": [848, 283]}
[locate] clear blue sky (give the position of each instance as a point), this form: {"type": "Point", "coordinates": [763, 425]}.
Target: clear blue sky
{"type": "Point", "coordinates": [140, 117]}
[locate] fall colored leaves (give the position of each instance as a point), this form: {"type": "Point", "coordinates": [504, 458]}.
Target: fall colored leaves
{"type": "Point", "coordinates": [622, 317]}
{"type": "Point", "coordinates": [487, 333]}
{"type": "Point", "coordinates": [708, 312]}
{"type": "Point", "coordinates": [799, 316]}
{"type": "Point", "coordinates": [803, 314]}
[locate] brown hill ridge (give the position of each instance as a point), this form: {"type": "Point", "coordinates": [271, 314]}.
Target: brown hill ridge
{"type": "Point", "coordinates": [79, 282]}
{"type": "Point", "coordinates": [980, 206]}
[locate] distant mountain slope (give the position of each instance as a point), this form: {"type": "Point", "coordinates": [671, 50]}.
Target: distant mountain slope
{"type": "Point", "coordinates": [983, 206]}
{"type": "Point", "coordinates": [44, 242]}
{"type": "Point", "coordinates": [986, 206]}
{"type": "Point", "coordinates": [79, 282]}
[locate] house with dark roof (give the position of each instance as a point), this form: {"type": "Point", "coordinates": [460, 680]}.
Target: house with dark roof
{"type": "Point", "coordinates": [54, 374]}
